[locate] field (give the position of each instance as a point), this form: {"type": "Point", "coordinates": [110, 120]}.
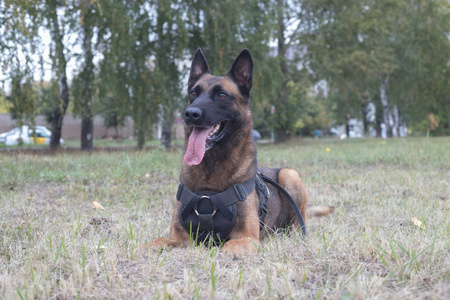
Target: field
{"type": "Point", "coordinates": [54, 244]}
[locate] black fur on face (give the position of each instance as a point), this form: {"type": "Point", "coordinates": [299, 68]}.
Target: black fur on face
{"type": "Point", "coordinates": [220, 103]}
{"type": "Point", "coordinates": [215, 106]}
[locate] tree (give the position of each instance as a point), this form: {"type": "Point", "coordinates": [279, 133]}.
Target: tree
{"type": "Point", "coordinates": [126, 81]}
{"type": "Point", "coordinates": [60, 105]}
{"type": "Point", "coordinates": [23, 22]}
{"type": "Point", "coordinates": [86, 77]}
{"type": "Point", "coordinates": [170, 41]}
{"type": "Point", "coordinates": [222, 29]}
{"type": "Point", "coordinates": [18, 41]}
{"type": "Point", "coordinates": [290, 17]}
{"type": "Point", "coordinates": [22, 98]}
{"type": "Point", "coordinates": [281, 132]}
{"type": "Point", "coordinates": [421, 87]}
{"type": "Point", "coordinates": [381, 49]}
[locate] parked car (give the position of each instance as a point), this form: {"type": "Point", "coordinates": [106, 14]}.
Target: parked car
{"type": "Point", "coordinates": [25, 134]}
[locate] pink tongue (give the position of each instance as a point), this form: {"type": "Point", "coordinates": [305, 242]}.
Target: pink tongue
{"type": "Point", "coordinates": [196, 146]}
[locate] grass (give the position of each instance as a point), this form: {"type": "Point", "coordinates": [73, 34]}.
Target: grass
{"type": "Point", "coordinates": [53, 244]}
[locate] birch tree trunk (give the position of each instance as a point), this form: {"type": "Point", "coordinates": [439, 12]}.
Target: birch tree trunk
{"type": "Point", "coordinates": [385, 104]}
{"type": "Point", "coordinates": [395, 118]}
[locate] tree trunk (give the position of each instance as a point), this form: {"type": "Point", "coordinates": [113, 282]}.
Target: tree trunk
{"type": "Point", "coordinates": [59, 112]}
{"type": "Point", "coordinates": [281, 135]}
{"type": "Point", "coordinates": [61, 106]}
{"type": "Point", "coordinates": [385, 104]}
{"type": "Point", "coordinates": [396, 124]}
{"type": "Point", "coordinates": [87, 125]}
{"type": "Point", "coordinates": [140, 129]}
{"type": "Point", "coordinates": [166, 136]}
{"type": "Point", "coordinates": [86, 134]}
{"type": "Point", "coordinates": [389, 132]}
{"type": "Point", "coordinates": [378, 129]}
{"type": "Point", "coordinates": [140, 138]}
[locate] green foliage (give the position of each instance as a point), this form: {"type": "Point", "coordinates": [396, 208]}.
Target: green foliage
{"type": "Point", "coordinates": [141, 48]}
{"type": "Point", "coordinates": [126, 81]}
{"type": "Point", "coordinates": [3, 103]}
{"type": "Point", "coordinates": [352, 43]}
{"type": "Point", "coordinates": [291, 113]}
{"type": "Point", "coordinates": [222, 29]}
{"type": "Point", "coordinates": [48, 97]}
{"type": "Point", "coordinates": [22, 99]}
{"type": "Point", "coordinates": [18, 44]}
{"type": "Point", "coordinates": [171, 39]}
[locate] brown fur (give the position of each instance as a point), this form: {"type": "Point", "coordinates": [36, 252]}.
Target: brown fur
{"type": "Point", "coordinates": [235, 162]}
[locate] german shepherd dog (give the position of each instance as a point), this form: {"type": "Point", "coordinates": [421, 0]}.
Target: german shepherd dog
{"type": "Point", "coordinates": [220, 153]}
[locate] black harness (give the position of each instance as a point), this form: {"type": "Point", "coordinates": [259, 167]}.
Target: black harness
{"type": "Point", "coordinates": [207, 215]}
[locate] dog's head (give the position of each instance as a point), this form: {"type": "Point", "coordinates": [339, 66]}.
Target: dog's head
{"type": "Point", "coordinates": [218, 106]}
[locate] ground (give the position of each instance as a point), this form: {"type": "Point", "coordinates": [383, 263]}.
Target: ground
{"type": "Point", "coordinates": [54, 244]}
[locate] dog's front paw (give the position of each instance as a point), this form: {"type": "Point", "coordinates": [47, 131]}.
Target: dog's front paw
{"type": "Point", "coordinates": [157, 245]}
{"type": "Point", "coordinates": [240, 247]}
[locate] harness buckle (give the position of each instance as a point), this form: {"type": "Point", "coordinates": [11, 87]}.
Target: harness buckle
{"type": "Point", "coordinates": [266, 190]}
{"type": "Point", "coordinates": [240, 192]}
{"type": "Point", "coordinates": [212, 203]}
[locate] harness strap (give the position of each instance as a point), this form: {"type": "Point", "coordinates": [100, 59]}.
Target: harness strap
{"type": "Point", "coordinates": [289, 198]}
{"type": "Point", "coordinates": [238, 192]}
{"type": "Point", "coordinates": [263, 194]}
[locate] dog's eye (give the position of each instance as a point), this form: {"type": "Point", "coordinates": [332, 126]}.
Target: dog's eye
{"type": "Point", "coordinates": [222, 95]}
{"type": "Point", "coordinates": [193, 93]}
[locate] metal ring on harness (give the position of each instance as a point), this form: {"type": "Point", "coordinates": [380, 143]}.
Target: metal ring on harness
{"type": "Point", "coordinates": [212, 203]}
{"type": "Point", "coordinates": [267, 191]}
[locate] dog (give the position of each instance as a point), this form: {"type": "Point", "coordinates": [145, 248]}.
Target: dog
{"type": "Point", "coordinates": [220, 159]}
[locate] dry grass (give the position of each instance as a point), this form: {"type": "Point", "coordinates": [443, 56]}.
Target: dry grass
{"type": "Point", "coordinates": [53, 244]}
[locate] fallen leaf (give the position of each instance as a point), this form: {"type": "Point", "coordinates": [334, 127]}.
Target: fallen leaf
{"type": "Point", "coordinates": [97, 205]}
{"type": "Point", "coordinates": [417, 222]}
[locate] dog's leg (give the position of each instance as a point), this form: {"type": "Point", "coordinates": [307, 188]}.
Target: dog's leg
{"type": "Point", "coordinates": [178, 237]}
{"type": "Point", "coordinates": [292, 183]}
{"type": "Point", "coordinates": [244, 238]}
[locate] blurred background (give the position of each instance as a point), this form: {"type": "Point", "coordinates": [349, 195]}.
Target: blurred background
{"type": "Point", "coordinates": [93, 69]}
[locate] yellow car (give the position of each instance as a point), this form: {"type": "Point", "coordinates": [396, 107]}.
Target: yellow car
{"type": "Point", "coordinates": [26, 135]}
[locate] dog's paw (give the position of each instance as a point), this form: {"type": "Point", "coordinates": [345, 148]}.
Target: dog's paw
{"type": "Point", "coordinates": [159, 244]}
{"type": "Point", "coordinates": [240, 247]}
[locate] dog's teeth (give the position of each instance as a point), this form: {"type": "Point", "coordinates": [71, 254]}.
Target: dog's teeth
{"type": "Point", "coordinates": [216, 128]}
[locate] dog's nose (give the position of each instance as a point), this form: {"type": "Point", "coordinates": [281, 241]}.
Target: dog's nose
{"type": "Point", "coordinates": [192, 114]}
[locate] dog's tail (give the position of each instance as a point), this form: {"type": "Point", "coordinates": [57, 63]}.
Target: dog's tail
{"type": "Point", "coordinates": [319, 210]}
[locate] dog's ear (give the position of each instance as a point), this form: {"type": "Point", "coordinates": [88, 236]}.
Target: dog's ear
{"type": "Point", "coordinates": [199, 67]}
{"type": "Point", "coordinates": [242, 72]}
